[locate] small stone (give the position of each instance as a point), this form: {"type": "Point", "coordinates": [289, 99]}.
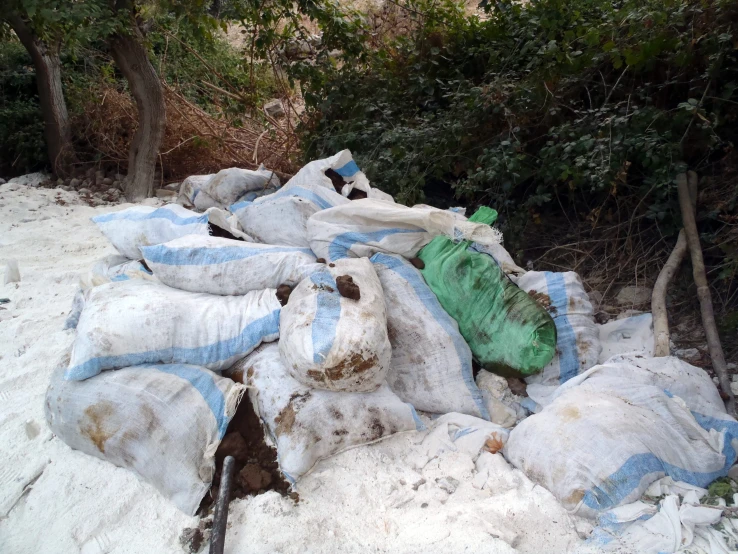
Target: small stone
{"type": "Point", "coordinates": [173, 186]}
{"type": "Point", "coordinates": [634, 296]}
{"type": "Point", "coordinates": [99, 177]}
{"type": "Point", "coordinates": [118, 184]}
{"type": "Point", "coordinates": [2, 181]}
{"type": "Point", "coordinates": [734, 388]}
{"type": "Point", "coordinates": [448, 484]}
{"type": "Point", "coordinates": [274, 108]}
{"type": "Point", "coordinates": [87, 183]}
{"type": "Point", "coordinates": [74, 183]}
{"type": "Point", "coordinates": [690, 355]}
{"type": "Point", "coordinates": [59, 182]}
{"type": "Point", "coordinates": [347, 288]}
{"type": "Point", "coordinates": [107, 181]}
{"type": "Point", "coordinates": [119, 177]}
{"type": "Point", "coordinates": [85, 191]}
{"type": "Point", "coordinates": [166, 194]}
{"type": "Point", "coordinates": [192, 540]}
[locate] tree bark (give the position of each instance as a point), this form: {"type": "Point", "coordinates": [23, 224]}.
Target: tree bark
{"type": "Point", "coordinates": [658, 299]}
{"type": "Point", "coordinates": [703, 293]}
{"type": "Point", "coordinates": [131, 57]}
{"type": "Point", "coordinates": [51, 96]}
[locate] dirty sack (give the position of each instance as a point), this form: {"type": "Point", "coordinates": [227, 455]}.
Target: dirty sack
{"type": "Point", "coordinates": [163, 422]}
{"type": "Point", "coordinates": [138, 226]}
{"type": "Point", "coordinates": [190, 188]}
{"type": "Point", "coordinates": [431, 365]}
{"type": "Point", "coordinates": [578, 348]}
{"type": "Point", "coordinates": [281, 218]}
{"type": "Point", "coordinates": [363, 228]}
{"type": "Point", "coordinates": [229, 185]}
{"type": "Point", "coordinates": [334, 333]}
{"type": "Point", "coordinates": [630, 334]}
{"type": "Point", "coordinates": [504, 407]}
{"type": "Point", "coordinates": [507, 331]}
{"type": "Point", "coordinates": [618, 427]}
{"type": "Point", "coordinates": [113, 268]}
{"type": "Point", "coordinates": [454, 432]}
{"type": "Point", "coordinates": [307, 424]}
{"type": "Point", "coordinates": [222, 266]}
{"type": "Point", "coordinates": [137, 322]}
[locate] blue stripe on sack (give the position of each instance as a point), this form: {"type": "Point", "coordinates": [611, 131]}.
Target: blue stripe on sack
{"type": "Point", "coordinates": [613, 490]}
{"type": "Point", "coordinates": [195, 192]}
{"type": "Point", "coordinates": [145, 270]}
{"type": "Point", "coordinates": [327, 314]}
{"type": "Point", "coordinates": [205, 385]}
{"type": "Point", "coordinates": [339, 246]}
{"type": "Point", "coordinates": [447, 323]}
{"type": "Point", "coordinates": [166, 255]}
{"type": "Point", "coordinates": [348, 169]}
{"type": "Point", "coordinates": [118, 278]}
{"type": "Point", "coordinates": [160, 213]}
{"type": "Point", "coordinates": [566, 341]}
{"type": "Point", "coordinates": [419, 425]}
{"type": "Point", "coordinates": [300, 192]}
{"type": "Point", "coordinates": [251, 336]}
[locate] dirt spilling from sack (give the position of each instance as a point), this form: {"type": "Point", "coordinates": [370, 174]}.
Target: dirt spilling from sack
{"type": "Point", "coordinates": [256, 470]}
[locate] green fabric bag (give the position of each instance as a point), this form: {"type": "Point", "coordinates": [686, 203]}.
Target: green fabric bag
{"type": "Point", "coordinates": [507, 331]}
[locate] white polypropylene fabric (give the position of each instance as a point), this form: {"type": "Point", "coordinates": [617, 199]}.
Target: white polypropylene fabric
{"type": "Point", "coordinates": [138, 226]}
{"type": "Point", "coordinates": [190, 188]}
{"type": "Point", "coordinates": [136, 322]}
{"type": "Point", "coordinates": [577, 337]}
{"type": "Point", "coordinates": [431, 364]}
{"type": "Point", "coordinates": [364, 227]}
{"type": "Point", "coordinates": [455, 432]}
{"type": "Point", "coordinates": [281, 218]}
{"type": "Point", "coordinates": [503, 406]}
{"type": "Point", "coordinates": [229, 185]}
{"type": "Point", "coordinates": [632, 334]}
{"type": "Point", "coordinates": [114, 268]}
{"type": "Point", "coordinates": [163, 422]}
{"type": "Point", "coordinates": [313, 174]}
{"type": "Point", "coordinates": [613, 430]}
{"type": "Point", "coordinates": [307, 425]}
{"type": "Point", "coordinates": [332, 342]}
{"type": "Point", "coordinates": [224, 266]}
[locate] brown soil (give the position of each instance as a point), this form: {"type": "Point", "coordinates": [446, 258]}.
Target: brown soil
{"type": "Point", "coordinates": [336, 179]}
{"type": "Point", "coordinates": [320, 261]}
{"type": "Point", "coordinates": [283, 294]}
{"type": "Point", "coordinates": [216, 231]}
{"type": "Point", "coordinates": [517, 386]}
{"type": "Point", "coordinates": [417, 262]}
{"type": "Point", "coordinates": [257, 470]}
{"type": "Point", "coordinates": [357, 194]}
{"type": "Point", "coordinates": [347, 288]}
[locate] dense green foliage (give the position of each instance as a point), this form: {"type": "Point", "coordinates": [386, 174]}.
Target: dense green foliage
{"type": "Point", "coordinates": [560, 101]}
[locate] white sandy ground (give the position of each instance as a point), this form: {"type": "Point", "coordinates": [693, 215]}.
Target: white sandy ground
{"type": "Point", "coordinates": [55, 500]}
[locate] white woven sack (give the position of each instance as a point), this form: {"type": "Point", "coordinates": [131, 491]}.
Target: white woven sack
{"type": "Point", "coordinates": [229, 185]}
{"type": "Point", "coordinates": [612, 431]}
{"type": "Point", "coordinates": [364, 227]}
{"type": "Point", "coordinates": [138, 226]}
{"type": "Point", "coordinates": [307, 425]}
{"type": "Point", "coordinates": [578, 338]}
{"type": "Point", "coordinates": [223, 266]}
{"type": "Point", "coordinates": [137, 322]}
{"type": "Point", "coordinates": [163, 422]}
{"type": "Point", "coordinates": [336, 343]}
{"type": "Point", "coordinates": [431, 364]}
{"type": "Point", "coordinates": [190, 188]}
{"type": "Point", "coordinates": [281, 218]}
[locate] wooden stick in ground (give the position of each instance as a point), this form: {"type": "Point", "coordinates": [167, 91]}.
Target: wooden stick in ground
{"type": "Point", "coordinates": [703, 293]}
{"type": "Point", "coordinates": [658, 299]}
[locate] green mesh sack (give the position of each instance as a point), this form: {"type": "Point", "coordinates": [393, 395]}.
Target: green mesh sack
{"type": "Point", "coordinates": [507, 331]}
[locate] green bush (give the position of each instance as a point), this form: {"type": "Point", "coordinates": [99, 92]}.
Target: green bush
{"type": "Point", "coordinates": [22, 146]}
{"type": "Point", "coordinates": [557, 102]}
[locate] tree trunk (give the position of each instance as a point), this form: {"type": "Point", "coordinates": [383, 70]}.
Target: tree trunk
{"type": "Point", "coordinates": [132, 59]}
{"type": "Point", "coordinates": [51, 97]}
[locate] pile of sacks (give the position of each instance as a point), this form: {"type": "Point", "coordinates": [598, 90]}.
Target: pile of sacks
{"type": "Point", "coordinates": [343, 314]}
